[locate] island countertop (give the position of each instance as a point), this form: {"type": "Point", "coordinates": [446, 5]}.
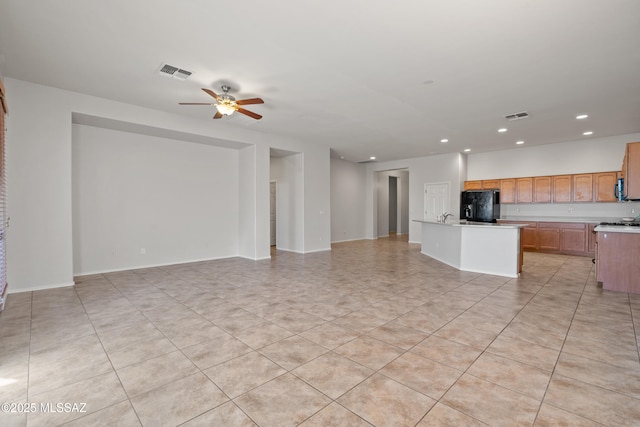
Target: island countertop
{"type": "Point", "coordinates": [617, 229]}
{"type": "Point", "coordinates": [479, 247]}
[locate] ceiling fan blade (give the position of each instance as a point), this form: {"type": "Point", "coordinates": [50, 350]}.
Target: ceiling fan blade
{"type": "Point", "coordinates": [250, 101]}
{"type": "Point", "coordinates": [210, 92]}
{"type": "Point", "coordinates": [249, 113]}
{"type": "Point", "coordinates": [195, 103]}
{"type": "Point", "coordinates": [218, 115]}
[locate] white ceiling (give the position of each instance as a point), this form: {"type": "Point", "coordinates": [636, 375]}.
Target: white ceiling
{"type": "Point", "coordinates": [366, 78]}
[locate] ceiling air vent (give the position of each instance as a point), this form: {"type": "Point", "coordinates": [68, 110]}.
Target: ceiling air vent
{"type": "Point", "coordinates": [175, 72]}
{"type": "Point", "coordinates": [517, 116]}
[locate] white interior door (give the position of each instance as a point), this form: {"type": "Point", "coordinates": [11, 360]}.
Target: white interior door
{"type": "Point", "coordinates": [436, 200]}
{"type": "Point", "coordinates": [272, 216]}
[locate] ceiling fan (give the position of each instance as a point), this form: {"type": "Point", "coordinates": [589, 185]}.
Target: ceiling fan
{"type": "Point", "coordinates": [227, 104]}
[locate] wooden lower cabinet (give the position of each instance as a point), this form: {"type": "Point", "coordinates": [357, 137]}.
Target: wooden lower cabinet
{"type": "Point", "coordinates": [574, 238]}
{"type": "Point", "coordinates": [569, 238]}
{"type": "Point", "coordinates": [548, 236]}
{"type": "Point", "coordinates": [529, 236]}
{"type": "Point", "coordinates": [591, 237]}
{"type": "Point", "coordinates": [617, 264]}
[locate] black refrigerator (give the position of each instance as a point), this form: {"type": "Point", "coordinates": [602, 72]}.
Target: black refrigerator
{"type": "Point", "coordinates": [480, 205]}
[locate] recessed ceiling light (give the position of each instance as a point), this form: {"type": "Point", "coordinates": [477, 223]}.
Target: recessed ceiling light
{"type": "Point", "coordinates": [501, 130]}
{"type": "Point", "coordinates": [372, 158]}
{"type": "Point", "coordinates": [519, 142]}
{"type": "Point", "coordinates": [444, 140]}
{"type": "Point", "coordinates": [587, 133]}
{"type": "Point", "coordinates": [466, 150]}
{"type": "Point", "coordinates": [582, 117]}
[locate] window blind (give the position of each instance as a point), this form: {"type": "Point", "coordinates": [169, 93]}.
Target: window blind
{"type": "Point", "coordinates": [3, 219]}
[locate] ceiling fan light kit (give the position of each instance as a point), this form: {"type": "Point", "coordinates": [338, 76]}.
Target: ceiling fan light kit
{"type": "Point", "coordinates": [227, 104]}
{"type": "Point", "coordinates": [225, 108]}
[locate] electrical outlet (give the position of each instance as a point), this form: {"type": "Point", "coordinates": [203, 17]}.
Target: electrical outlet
{"type": "Point", "coordinates": [143, 251]}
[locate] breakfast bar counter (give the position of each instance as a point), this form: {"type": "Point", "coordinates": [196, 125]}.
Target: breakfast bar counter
{"type": "Point", "coordinates": [487, 248]}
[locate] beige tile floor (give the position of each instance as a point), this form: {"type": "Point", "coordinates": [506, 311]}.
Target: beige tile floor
{"type": "Point", "coordinates": [371, 333]}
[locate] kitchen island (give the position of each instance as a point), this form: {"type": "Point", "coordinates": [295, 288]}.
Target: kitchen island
{"type": "Point", "coordinates": [478, 247]}
{"type": "Point", "coordinates": [617, 255]}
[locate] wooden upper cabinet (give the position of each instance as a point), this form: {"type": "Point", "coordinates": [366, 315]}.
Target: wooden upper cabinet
{"type": "Point", "coordinates": [603, 186]}
{"type": "Point", "coordinates": [586, 187]}
{"type": "Point", "coordinates": [632, 171]}
{"type": "Point", "coordinates": [623, 171]}
{"type": "Point", "coordinates": [473, 185]}
{"type": "Point", "coordinates": [583, 187]}
{"type": "Point", "coordinates": [542, 189]}
{"type": "Point", "coordinates": [486, 184]}
{"type": "Point", "coordinates": [507, 191]}
{"type": "Point", "coordinates": [524, 190]}
{"type": "Point", "coordinates": [562, 188]}
{"type": "Point", "coordinates": [489, 184]}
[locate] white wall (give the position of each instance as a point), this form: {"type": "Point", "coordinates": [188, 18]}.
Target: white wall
{"type": "Point", "coordinates": [247, 202]}
{"type": "Point", "coordinates": [38, 144]}
{"type": "Point", "coordinates": [382, 192]}
{"type": "Point", "coordinates": [348, 183]}
{"type": "Point", "coordinates": [583, 156]}
{"type": "Point", "coordinates": [262, 242]}
{"type": "Point", "coordinates": [177, 200]}
{"type": "Point", "coordinates": [403, 177]}
{"type": "Point", "coordinates": [253, 227]}
{"type": "Point", "coordinates": [288, 173]}
{"type": "Point", "coordinates": [317, 199]}
{"type": "Point", "coordinates": [440, 168]}
{"type": "Point", "coordinates": [39, 185]}
{"type": "Point", "coordinates": [317, 193]}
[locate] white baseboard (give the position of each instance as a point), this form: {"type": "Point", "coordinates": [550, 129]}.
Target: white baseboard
{"type": "Point", "coordinates": [39, 288]}
{"type": "Point", "coordinates": [141, 267]}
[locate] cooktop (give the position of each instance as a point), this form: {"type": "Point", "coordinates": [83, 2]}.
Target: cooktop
{"type": "Point", "coordinates": [625, 224]}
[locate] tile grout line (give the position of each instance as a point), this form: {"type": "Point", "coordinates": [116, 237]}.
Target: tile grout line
{"type": "Point", "coordinates": [553, 372]}
{"type": "Point", "coordinates": [115, 371]}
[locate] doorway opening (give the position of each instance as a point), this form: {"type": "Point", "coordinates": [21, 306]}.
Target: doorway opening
{"type": "Point", "coordinates": [286, 175]}
{"type": "Point", "coordinates": [272, 213]}
{"type": "Point", "coordinates": [394, 217]}
{"type": "Point", "coordinates": [392, 194]}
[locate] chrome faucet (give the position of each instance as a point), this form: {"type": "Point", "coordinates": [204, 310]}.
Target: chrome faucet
{"type": "Point", "coordinates": [445, 216]}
